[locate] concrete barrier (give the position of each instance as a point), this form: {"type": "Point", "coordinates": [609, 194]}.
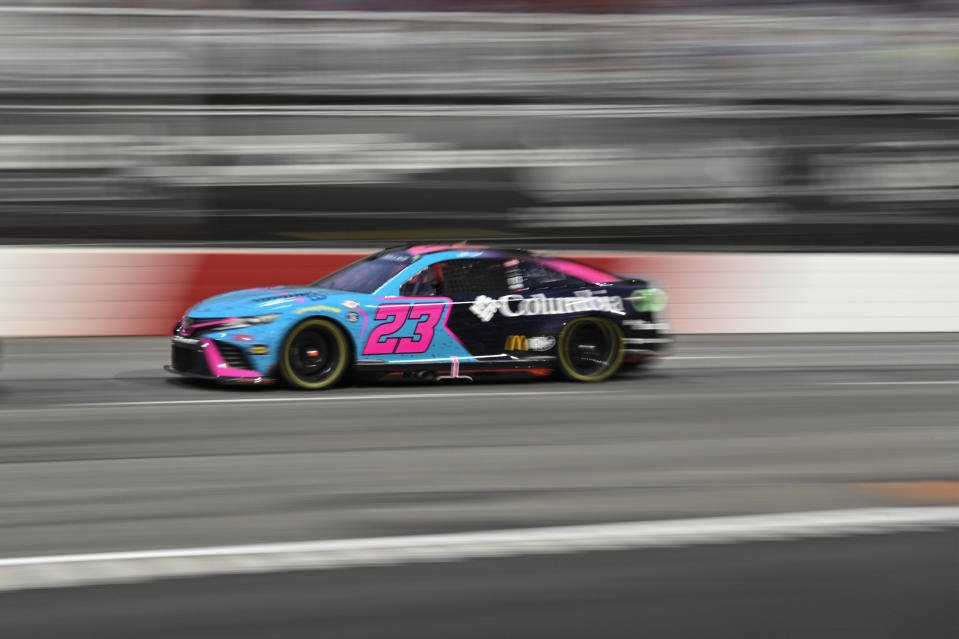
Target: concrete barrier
{"type": "Point", "coordinates": [49, 292]}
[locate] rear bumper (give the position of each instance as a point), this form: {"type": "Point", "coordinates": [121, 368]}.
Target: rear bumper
{"type": "Point", "coordinates": [201, 359]}
{"type": "Point", "coordinates": [639, 349]}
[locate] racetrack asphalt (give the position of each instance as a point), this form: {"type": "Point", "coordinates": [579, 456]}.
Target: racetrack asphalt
{"type": "Point", "coordinates": [100, 450]}
{"type": "Point", "coordinates": [880, 587]}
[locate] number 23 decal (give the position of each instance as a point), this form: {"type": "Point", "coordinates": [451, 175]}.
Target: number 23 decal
{"type": "Point", "coordinates": [427, 316]}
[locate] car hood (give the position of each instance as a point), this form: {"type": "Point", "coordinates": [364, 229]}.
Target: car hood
{"type": "Point", "coordinates": [260, 301]}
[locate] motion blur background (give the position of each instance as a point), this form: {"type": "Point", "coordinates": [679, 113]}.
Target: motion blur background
{"type": "Point", "coordinates": [780, 166]}
{"type": "Point", "coordinates": [655, 123]}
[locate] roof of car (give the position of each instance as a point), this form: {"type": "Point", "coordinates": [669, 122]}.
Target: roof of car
{"type": "Point", "coordinates": [427, 249]}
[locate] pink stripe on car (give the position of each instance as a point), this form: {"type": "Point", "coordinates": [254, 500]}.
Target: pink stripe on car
{"type": "Point", "coordinates": [218, 365]}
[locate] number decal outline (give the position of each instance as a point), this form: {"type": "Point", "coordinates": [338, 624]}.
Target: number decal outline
{"type": "Point", "coordinates": [424, 331]}
{"type": "Point", "coordinates": [378, 342]}
{"type": "Point", "coordinates": [426, 315]}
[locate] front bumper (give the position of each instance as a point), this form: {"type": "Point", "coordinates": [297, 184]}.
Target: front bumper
{"type": "Point", "coordinates": [201, 359]}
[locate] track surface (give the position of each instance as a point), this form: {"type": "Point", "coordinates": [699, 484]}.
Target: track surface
{"type": "Point", "coordinates": [731, 425]}
{"type": "Point", "coordinates": [100, 451]}
{"type": "Point", "coordinates": [891, 586]}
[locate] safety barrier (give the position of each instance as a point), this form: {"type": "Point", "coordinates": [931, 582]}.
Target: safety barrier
{"type": "Point", "coordinates": [60, 291]}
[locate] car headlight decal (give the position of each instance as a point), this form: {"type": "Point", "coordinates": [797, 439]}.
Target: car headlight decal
{"type": "Point", "coordinates": [246, 322]}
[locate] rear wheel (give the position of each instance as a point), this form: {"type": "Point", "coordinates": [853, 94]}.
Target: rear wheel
{"type": "Point", "coordinates": [590, 349]}
{"type": "Point", "coordinates": [314, 355]}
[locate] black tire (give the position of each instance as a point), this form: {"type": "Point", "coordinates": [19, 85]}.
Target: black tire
{"type": "Point", "coordinates": [315, 355]}
{"type": "Point", "coordinates": [590, 349]}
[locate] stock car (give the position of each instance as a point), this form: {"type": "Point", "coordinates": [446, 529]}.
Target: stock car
{"type": "Point", "coordinates": [428, 311]}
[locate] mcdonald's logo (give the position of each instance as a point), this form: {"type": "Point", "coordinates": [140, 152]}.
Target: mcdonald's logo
{"type": "Point", "coordinates": [517, 343]}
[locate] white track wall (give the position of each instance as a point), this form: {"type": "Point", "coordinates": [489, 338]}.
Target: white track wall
{"type": "Point", "coordinates": [48, 292]}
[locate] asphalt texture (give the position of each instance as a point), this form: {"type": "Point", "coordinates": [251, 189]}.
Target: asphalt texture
{"type": "Point", "coordinates": [729, 425]}
{"type": "Point", "coordinates": [888, 586]}
{"type": "Point", "coordinates": [102, 451]}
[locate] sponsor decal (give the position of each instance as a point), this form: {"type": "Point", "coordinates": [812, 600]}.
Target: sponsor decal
{"type": "Point", "coordinates": [514, 276]}
{"type": "Point", "coordinates": [351, 304]}
{"type": "Point", "coordinates": [395, 257]}
{"type": "Point", "coordinates": [517, 343]}
{"type": "Point", "coordinates": [316, 308]}
{"type": "Point", "coordinates": [515, 305]}
{"type": "Point", "coordinates": [523, 343]}
{"type": "Point", "coordinates": [237, 337]}
{"type": "Point", "coordinates": [650, 299]}
{"type": "Point", "coordinates": [259, 349]}
{"type": "Point", "coordinates": [541, 343]}
{"type": "Point", "coordinates": [352, 316]}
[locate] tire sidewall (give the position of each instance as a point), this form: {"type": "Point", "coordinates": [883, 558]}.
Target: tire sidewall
{"type": "Point", "coordinates": [612, 331]}
{"type": "Point", "coordinates": [337, 336]}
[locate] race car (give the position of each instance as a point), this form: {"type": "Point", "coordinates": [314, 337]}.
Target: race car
{"type": "Point", "coordinates": [429, 311]}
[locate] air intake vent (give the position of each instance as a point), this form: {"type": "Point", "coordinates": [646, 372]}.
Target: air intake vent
{"type": "Point", "coordinates": [188, 360]}
{"type": "Point", "coordinates": [233, 355]}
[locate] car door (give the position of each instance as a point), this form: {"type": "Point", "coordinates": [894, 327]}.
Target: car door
{"type": "Point", "coordinates": [466, 284]}
{"type": "Point", "coordinates": [413, 326]}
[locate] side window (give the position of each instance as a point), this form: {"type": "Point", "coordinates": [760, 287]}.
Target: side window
{"type": "Point", "coordinates": [540, 276]}
{"type": "Point", "coordinates": [457, 277]}
{"type": "Point", "coordinates": [423, 284]}
{"type": "Point", "coordinates": [464, 277]}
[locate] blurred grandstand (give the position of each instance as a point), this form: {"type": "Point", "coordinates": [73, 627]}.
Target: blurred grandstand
{"type": "Point", "coordinates": [673, 124]}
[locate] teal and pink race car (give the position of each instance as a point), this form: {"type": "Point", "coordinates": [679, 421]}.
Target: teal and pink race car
{"type": "Point", "coordinates": [427, 311]}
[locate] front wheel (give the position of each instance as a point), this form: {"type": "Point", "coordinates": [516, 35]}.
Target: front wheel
{"type": "Point", "coordinates": [590, 349]}
{"type": "Point", "coordinates": [314, 355]}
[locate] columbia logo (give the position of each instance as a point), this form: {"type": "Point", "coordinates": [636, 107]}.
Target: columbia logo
{"type": "Point", "coordinates": [484, 307]}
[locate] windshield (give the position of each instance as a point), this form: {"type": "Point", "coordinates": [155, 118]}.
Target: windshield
{"type": "Point", "coordinates": [368, 274]}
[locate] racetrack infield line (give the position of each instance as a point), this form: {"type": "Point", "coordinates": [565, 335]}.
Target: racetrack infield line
{"type": "Point", "coordinates": [821, 389]}
{"type": "Point", "coordinates": [333, 398]}
{"type": "Point", "coordinates": [120, 567]}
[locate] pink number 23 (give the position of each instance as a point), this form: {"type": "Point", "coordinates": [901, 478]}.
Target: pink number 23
{"type": "Point", "coordinates": [427, 316]}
